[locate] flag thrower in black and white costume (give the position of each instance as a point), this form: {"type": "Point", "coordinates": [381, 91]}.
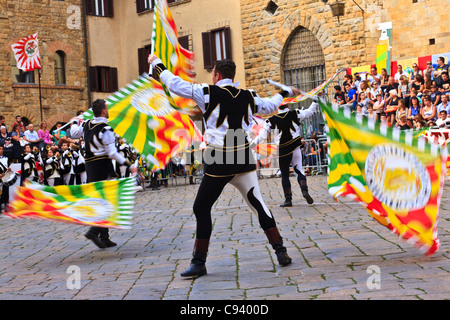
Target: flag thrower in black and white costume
{"type": "Point", "coordinates": [288, 124]}
{"type": "Point", "coordinates": [52, 169]}
{"type": "Point", "coordinates": [79, 165]}
{"type": "Point", "coordinates": [227, 113]}
{"type": "Point", "coordinates": [100, 149]}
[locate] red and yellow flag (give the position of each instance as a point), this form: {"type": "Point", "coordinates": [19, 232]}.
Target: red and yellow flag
{"type": "Point", "coordinates": [397, 176]}
{"type": "Point", "coordinates": [107, 204]}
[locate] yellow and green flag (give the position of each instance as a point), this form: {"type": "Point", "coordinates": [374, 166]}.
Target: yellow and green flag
{"type": "Point", "coordinates": [175, 58]}
{"type": "Point", "coordinates": [395, 174]}
{"type": "Point", "coordinates": [166, 46]}
{"type": "Point", "coordinates": [144, 114]}
{"type": "Point", "coordinates": [107, 204]}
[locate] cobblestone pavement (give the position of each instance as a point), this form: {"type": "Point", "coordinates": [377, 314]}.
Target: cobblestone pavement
{"type": "Point", "coordinates": [335, 247]}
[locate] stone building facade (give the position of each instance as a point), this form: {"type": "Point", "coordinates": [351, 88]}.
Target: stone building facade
{"type": "Point", "coordinates": [420, 27]}
{"type": "Point", "coordinates": [295, 42]}
{"type": "Point", "coordinates": [60, 28]}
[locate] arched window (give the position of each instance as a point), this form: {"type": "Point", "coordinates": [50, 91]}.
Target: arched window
{"type": "Point", "coordinates": [303, 65]}
{"type": "Point", "coordinates": [60, 67]}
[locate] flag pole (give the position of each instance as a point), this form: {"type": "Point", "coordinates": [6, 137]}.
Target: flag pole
{"type": "Point", "coordinates": [40, 95]}
{"type": "Point", "coordinates": [153, 41]}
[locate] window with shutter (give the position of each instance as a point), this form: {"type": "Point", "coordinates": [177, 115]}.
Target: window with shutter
{"type": "Point", "coordinates": [216, 46]}
{"type": "Point", "coordinates": [89, 4]}
{"type": "Point", "coordinates": [144, 5]}
{"type": "Point", "coordinates": [184, 42]}
{"type": "Point", "coordinates": [100, 8]}
{"type": "Point", "coordinates": [93, 78]}
{"type": "Point", "coordinates": [113, 82]}
{"type": "Point", "coordinates": [103, 79]}
{"type": "Point", "coordinates": [208, 59]}
{"type": "Point", "coordinates": [143, 59]}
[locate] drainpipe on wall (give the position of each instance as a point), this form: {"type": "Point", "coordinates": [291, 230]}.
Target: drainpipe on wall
{"type": "Point", "coordinates": [86, 53]}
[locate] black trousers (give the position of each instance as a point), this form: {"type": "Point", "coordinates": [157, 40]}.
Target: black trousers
{"type": "Point", "coordinates": [210, 190]}
{"type": "Point", "coordinates": [285, 161]}
{"type": "Point", "coordinates": [99, 170]}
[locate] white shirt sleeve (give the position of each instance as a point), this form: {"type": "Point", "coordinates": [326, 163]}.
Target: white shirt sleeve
{"type": "Point", "coordinates": [108, 140]}
{"type": "Point", "coordinates": [76, 131]}
{"type": "Point", "coordinates": [263, 133]}
{"type": "Point", "coordinates": [303, 114]}
{"type": "Point", "coordinates": [268, 105]}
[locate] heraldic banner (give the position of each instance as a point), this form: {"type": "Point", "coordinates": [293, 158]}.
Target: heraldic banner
{"type": "Point", "coordinates": [395, 174]}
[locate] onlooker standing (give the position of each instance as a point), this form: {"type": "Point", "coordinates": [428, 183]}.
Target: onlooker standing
{"type": "Point", "coordinates": [20, 123]}
{"type": "Point", "coordinates": [17, 141]}
{"type": "Point", "coordinates": [44, 135]}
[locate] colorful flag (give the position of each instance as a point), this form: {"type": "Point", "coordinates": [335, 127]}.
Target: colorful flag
{"type": "Point", "coordinates": [165, 43]}
{"type": "Point", "coordinates": [26, 52]}
{"type": "Point", "coordinates": [106, 204]}
{"type": "Point", "coordinates": [313, 92]}
{"type": "Point", "coordinates": [145, 116]}
{"type": "Point", "coordinates": [175, 58]}
{"type": "Point", "coordinates": [266, 149]}
{"type": "Point", "coordinates": [394, 174]}
{"type": "Point", "coordinates": [442, 138]}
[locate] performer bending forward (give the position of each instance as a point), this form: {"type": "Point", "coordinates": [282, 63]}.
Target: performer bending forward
{"type": "Point", "coordinates": [100, 151]}
{"type": "Point", "coordinates": [227, 113]}
{"type": "Point", "coordinates": [288, 123]}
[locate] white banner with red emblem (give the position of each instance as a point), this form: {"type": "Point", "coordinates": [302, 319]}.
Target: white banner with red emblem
{"type": "Point", "coordinates": [26, 52]}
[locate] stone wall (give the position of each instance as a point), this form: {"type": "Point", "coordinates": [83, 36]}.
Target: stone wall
{"type": "Point", "coordinates": [349, 42]}
{"type": "Point", "coordinates": [60, 27]}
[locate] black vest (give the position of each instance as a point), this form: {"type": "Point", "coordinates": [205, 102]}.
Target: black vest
{"type": "Point", "coordinates": [91, 136]}
{"type": "Point", "coordinates": [235, 105]}
{"type": "Point", "coordinates": [284, 122]}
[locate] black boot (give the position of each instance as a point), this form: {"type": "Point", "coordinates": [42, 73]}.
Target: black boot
{"type": "Point", "coordinates": [306, 194]}
{"type": "Point", "coordinates": [288, 198]}
{"type": "Point", "coordinates": [107, 243]}
{"type": "Point", "coordinates": [198, 262]}
{"type": "Point", "coordinates": [276, 241]}
{"type": "Point", "coordinates": [197, 267]}
{"type": "Point", "coordinates": [92, 235]}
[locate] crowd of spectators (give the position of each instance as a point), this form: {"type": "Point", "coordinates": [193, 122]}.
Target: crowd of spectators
{"type": "Point", "coordinates": [416, 99]}
{"type": "Point", "coordinates": [14, 137]}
